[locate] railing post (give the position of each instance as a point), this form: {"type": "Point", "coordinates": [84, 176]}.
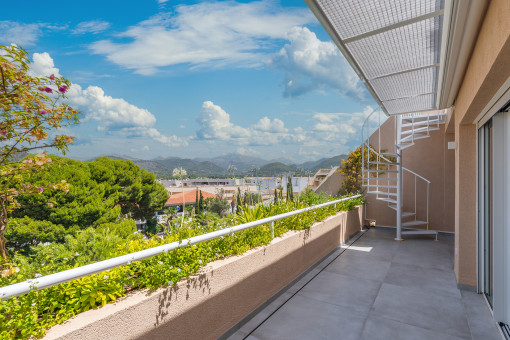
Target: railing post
{"type": "Point", "coordinates": [272, 230]}
{"type": "Point", "coordinates": [398, 236]}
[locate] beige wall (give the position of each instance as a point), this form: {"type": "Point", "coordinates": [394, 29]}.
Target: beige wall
{"type": "Point", "coordinates": [431, 159]}
{"type": "Point", "coordinates": [207, 305]}
{"type": "Point", "coordinates": [488, 69]}
{"type": "Point", "coordinates": [332, 184]}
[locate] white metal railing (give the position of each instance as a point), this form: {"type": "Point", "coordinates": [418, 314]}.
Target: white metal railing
{"type": "Point", "coordinates": [97, 267]}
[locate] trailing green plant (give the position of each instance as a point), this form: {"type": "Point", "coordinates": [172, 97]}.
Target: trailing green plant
{"type": "Point", "coordinates": [31, 314]}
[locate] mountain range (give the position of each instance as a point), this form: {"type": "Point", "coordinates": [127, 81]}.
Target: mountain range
{"type": "Point", "coordinates": [218, 166]}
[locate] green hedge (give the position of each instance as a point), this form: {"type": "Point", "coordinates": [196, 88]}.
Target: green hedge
{"type": "Point", "coordinates": [32, 314]}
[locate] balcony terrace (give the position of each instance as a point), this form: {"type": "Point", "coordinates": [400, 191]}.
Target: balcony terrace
{"type": "Point", "coordinates": [376, 288]}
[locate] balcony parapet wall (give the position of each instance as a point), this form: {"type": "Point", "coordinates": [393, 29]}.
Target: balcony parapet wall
{"type": "Point", "coordinates": [208, 304]}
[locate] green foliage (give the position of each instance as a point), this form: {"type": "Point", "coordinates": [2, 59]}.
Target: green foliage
{"type": "Point", "coordinates": [290, 190]}
{"type": "Point", "coordinates": [218, 205]}
{"type": "Point", "coordinates": [22, 233]}
{"type": "Point", "coordinates": [29, 315]}
{"type": "Point", "coordinates": [100, 192]}
{"type": "Point", "coordinates": [352, 167]}
{"type": "Point", "coordinates": [30, 119]}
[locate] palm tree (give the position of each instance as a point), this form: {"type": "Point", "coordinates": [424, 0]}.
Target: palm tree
{"type": "Point", "coordinates": [181, 173]}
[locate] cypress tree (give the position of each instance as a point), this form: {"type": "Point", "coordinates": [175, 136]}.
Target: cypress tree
{"type": "Point", "coordinates": [197, 203]}
{"type": "Point", "coordinates": [201, 202]}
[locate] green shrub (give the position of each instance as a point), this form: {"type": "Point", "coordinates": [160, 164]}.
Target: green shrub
{"type": "Point", "coordinates": [31, 314]}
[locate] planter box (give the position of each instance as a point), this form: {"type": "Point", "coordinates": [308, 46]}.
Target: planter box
{"type": "Point", "coordinates": [207, 305]}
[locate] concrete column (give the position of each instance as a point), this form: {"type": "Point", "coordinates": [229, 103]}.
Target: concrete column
{"type": "Point", "coordinates": [465, 204]}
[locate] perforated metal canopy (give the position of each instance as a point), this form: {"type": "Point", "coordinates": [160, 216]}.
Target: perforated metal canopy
{"type": "Point", "coordinates": [393, 45]}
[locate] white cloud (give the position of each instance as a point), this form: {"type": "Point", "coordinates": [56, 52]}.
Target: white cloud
{"type": "Point", "coordinates": [208, 33]}
{"type": "Point", "coordinates": [113, 114]}
{"type": "Point", "coordinates": [20, 34]}
{"type": "Point", "coordinates": [94, 27]}
{"type": "Point", "coordinates": [25, 35]}
{"type": "Point", "coordinates": [310, 64]}
{"type": "Point", "coordinates": [340, 127]}
{"type": "Point", "coordinates": [214, 124]}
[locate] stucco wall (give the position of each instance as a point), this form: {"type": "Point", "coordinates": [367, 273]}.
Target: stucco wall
{"type": "Point", "coordinates": [487, 71]}
{"type": "Point", "coordinates": [225, 291]}
{"type": "Point", "coordinates": [431, 159]}
{"type": "Point", "coordinates": [332, 184]}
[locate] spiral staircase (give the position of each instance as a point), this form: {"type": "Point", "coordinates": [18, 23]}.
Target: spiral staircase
{"type": "Point", "coordinates": [383, 173]}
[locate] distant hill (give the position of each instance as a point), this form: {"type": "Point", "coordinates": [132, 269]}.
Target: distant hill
{"type": "Point", "coordinates": [327, 163]}
{"type": "Point", "coordinates": [243, 163]}
{"type": "Point", "coordinates": [273, 169]}
{"type": "Point", "coordinates": [218, 166]}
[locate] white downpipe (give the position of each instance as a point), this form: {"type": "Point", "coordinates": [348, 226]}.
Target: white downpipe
{"type": "Point", "coordinates": [398, 236]}
{"type": "Point", "coordinates": [97, 267]}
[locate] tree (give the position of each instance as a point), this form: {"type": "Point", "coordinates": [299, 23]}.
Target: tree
{"type": "Point", "coordinates": [239, 200]}
{"type": "Point", "coordinates": [32, 109]}
{"type": "Point", "coordinates": [101, 191]}
{"type": "Point", "coordinates": [201, 202]}
{"type": "Point", "coordinates": [181, 173]}
{"type": "Point", "coordinates": [352, 167]}
{"type": "Point", "coordinates": [197, 203]}
{"type": "Point", "coordinates": [290, 191]}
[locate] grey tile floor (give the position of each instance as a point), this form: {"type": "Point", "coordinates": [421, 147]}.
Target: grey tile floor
{"type": "Point", "coordinates": [377, 288]}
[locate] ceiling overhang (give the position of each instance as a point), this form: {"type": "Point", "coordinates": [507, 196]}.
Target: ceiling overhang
{"type": "Point", "coordinates": [402, 49]}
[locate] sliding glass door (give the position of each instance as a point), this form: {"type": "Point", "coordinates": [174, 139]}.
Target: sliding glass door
{"type": "Point", "coordinates": [485, 227]}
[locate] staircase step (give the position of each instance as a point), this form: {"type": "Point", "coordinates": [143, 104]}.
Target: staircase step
{"type": "Point", "coordinates": [413, 223]}
{"type": "Point", "coordinates": [420, 232]}
{"type": "Point", "coordinates": [405, 145]}
{"type": "Point", "coordinates": [413, 137]}
{"type": "Point", "coordinates": [382, 193]}
{"type": "Point", "coordinates": [390, 154]}
{"type": "Point", "coordinates": [422, 122]}
{"type": "Point", "coordinates": [379, 178]}
{"type": "Point", "coordinates": [384, 163]}
{"type": "Point", "coordinates": [404, 213]}
{"type": "Point", "coordinates": [386, 199]}
{"type": "Point", "coordinates": [376, 170]}
{"type": "Point", "coordinates": [380, 186]}
{"type": "Point", "coordinates": [416, 130]}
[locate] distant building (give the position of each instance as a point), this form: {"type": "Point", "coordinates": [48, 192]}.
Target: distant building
{"type": "Point", "coordinates": [176, 199]}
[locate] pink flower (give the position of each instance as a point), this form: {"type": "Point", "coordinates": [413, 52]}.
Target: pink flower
{"type": "Point", "coordinates": [29, 110]}
{"type": "Point", "coordinates": [52, 77]}
{"type": "Point", "coordinates": [4, 132]}
{"type": "Point", "coordinates": [47, 89]}
{"type": "Point", "coordinates": [43, 112]}
{"type": "Point", "coordinates": [63, 89]}
{"type": "Point", "coordinates": [40, 189]}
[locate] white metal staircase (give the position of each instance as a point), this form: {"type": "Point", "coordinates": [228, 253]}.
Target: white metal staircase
{"type": "Point", "coordinates": [383, 174]}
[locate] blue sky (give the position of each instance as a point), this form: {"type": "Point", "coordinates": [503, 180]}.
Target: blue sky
{"type": "Point", "coordinates": [195, 78]}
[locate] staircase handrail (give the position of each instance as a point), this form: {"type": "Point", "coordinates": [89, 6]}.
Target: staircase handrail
{"type": "Point", "coordinates": [414, 173]}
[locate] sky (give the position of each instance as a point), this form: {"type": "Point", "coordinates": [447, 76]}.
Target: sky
{"type": "Point", "coordinates": [158, 78]}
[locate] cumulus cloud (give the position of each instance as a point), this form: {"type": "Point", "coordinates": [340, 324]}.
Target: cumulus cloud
{"type": "Point", "coordinates": [94, 27]}
{"type": "Point", "coordinates": [113, 114]}
{"type": "Point", "coordinates": [311, 64]}
{"type": "Point", "coordinates": [214, 124]}
{"type": "Point", "coordinates": [339, 127]}
{"type": "Point", "coordinates": [208, 33]}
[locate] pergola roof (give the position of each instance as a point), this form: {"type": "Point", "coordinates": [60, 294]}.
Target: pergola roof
{"type": "Point", "coordinates": [393, 45]}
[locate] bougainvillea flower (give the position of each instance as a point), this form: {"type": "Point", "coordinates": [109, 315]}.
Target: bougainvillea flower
{"type": "Point", "coordinates": [47, 89]}
{"type": "Point", "coordinates": [40, 189]}
{"type": "Point", "coordinates": [3, 132]}
{"type": "Point", "coordinates": [43, 112]}
{"type": "Point", "coordinates": [52, 77]}
{"type": "Point", "coordinates": [62, 89]}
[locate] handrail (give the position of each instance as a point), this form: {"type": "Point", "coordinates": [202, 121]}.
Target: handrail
{"type": "Point", "coordinates": [414, 173]}
{"type": "Point", "coordinates": [47, 281]}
